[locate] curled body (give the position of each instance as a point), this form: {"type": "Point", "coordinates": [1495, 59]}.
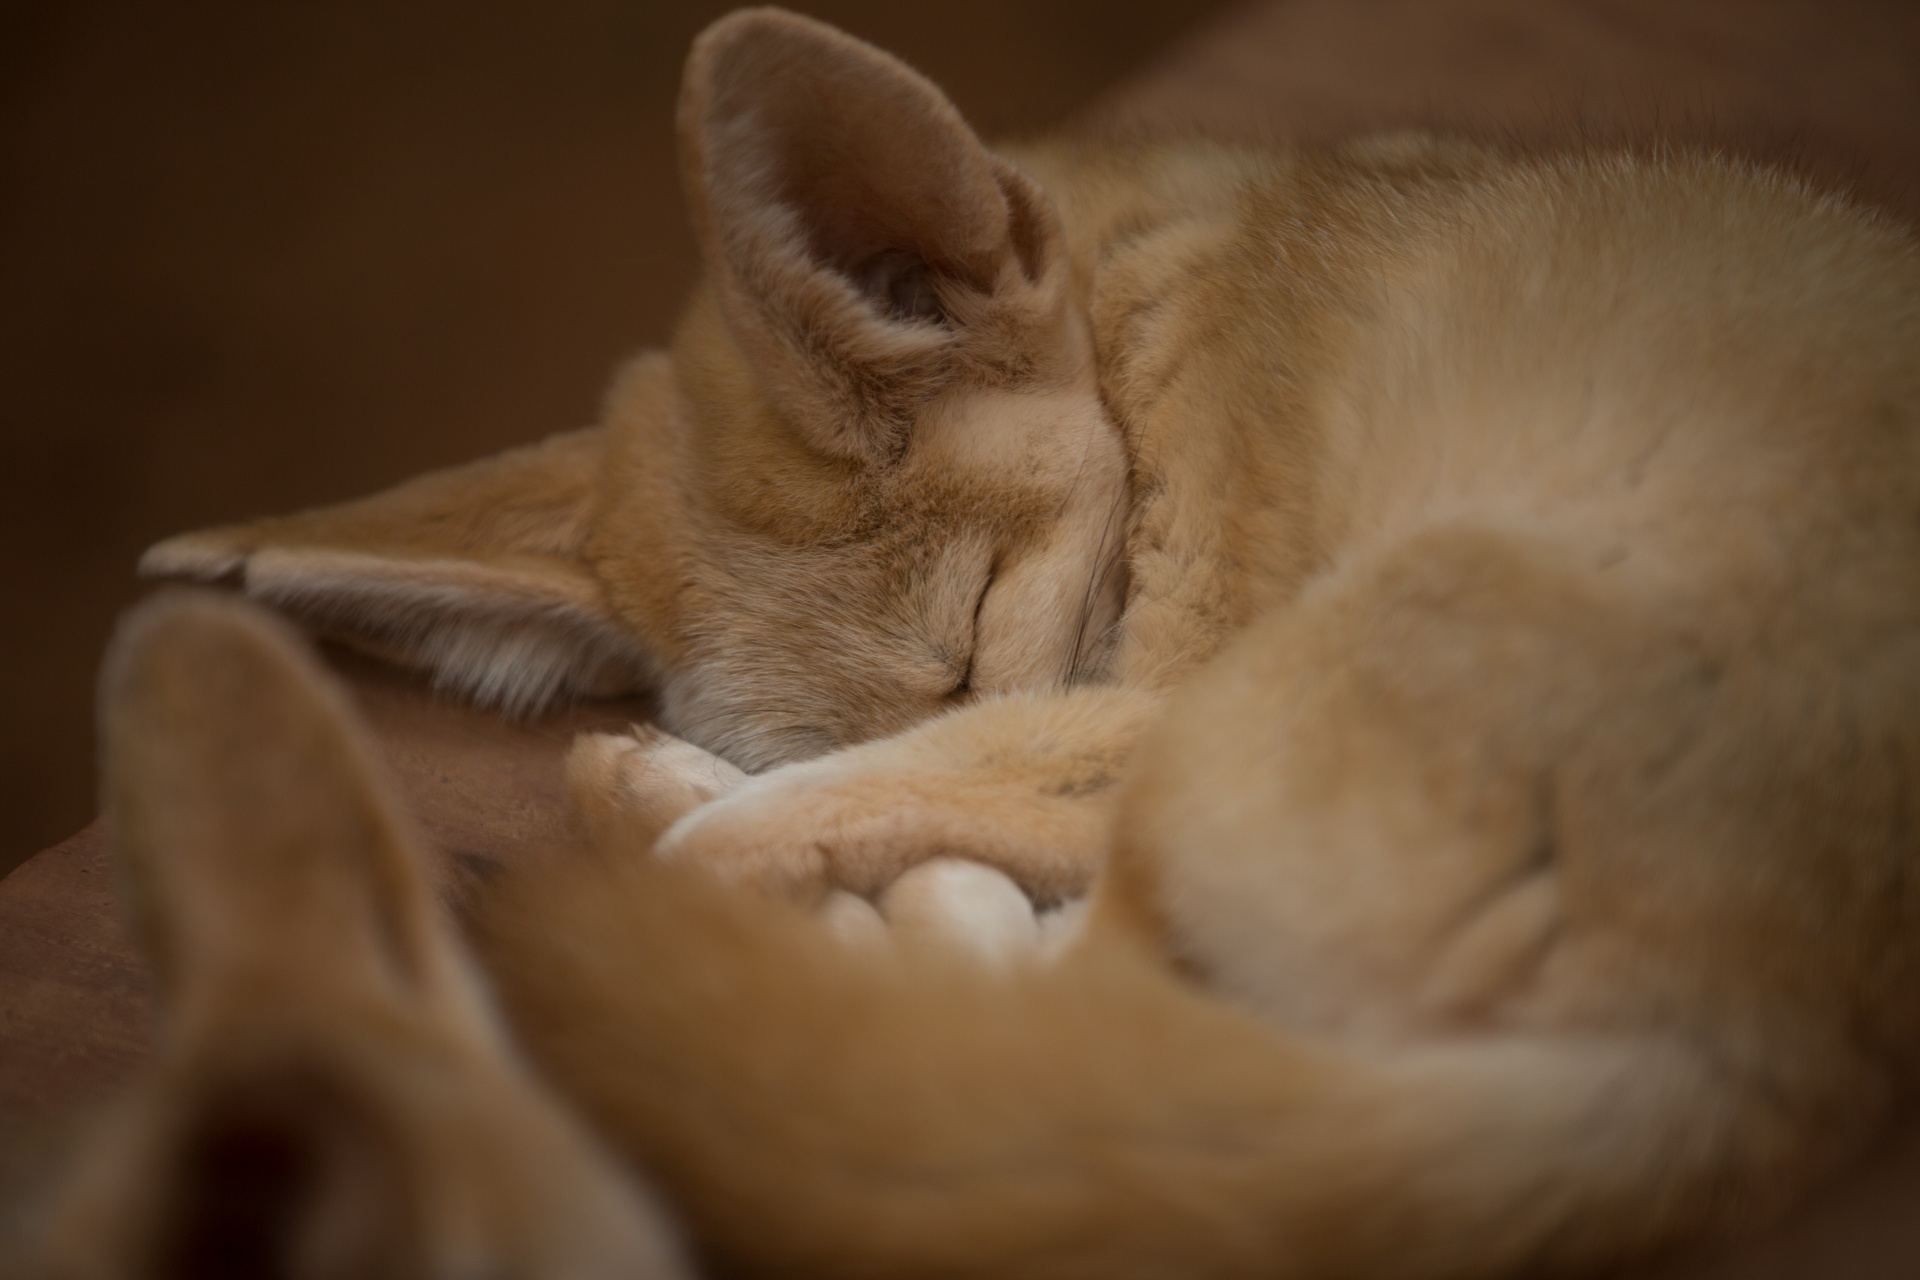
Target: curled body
{"type": "Point", "coordinates": [1459, 617]}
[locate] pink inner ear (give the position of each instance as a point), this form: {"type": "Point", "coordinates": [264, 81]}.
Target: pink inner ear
{"type": "Point", "coordinates": [865, 192]}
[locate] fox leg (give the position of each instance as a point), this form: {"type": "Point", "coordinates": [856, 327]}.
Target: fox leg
{"type": "Point", "coordinates": [628, 788]}
{"type": "Point", "coordinates": [1022, 783]}
{"type": "Point", "coordinates": [956, 830]}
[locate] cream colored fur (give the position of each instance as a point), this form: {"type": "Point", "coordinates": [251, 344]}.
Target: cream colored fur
{"type": "Point", "coordinates": [1465, 611]}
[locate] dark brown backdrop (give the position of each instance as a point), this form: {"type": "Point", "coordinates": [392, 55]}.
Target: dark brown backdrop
{"type": "Point", "coordinates": [256, 257]}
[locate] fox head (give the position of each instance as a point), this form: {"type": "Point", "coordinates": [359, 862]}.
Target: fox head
{"type": "Point", "coordinates": [333, 1095]}
{"type": "Point", "coordinates": [871, 479]}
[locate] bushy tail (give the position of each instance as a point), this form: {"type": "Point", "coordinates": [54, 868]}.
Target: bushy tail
{"type": "Point", "coordinates": [815, 1113]}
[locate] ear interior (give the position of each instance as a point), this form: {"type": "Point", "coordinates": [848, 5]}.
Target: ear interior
{"type": "Point", "coordinates": [476, 573]}
{"type": "Point", "coordinates": [284, 1174]}
{"type": "Point", "coordinates": [856, 228]}
{"type": "Point", "coordinates": [880, 174]}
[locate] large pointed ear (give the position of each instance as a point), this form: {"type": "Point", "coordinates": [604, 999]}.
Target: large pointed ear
{"type": "Point", "coordinates": [865, 248]}
{"type": "Point", "coordinates": [475, 573]}
{"type": "Point", "coordinates": [247, 813]}
{"type": "Point", "coordinates": [333, 1096]}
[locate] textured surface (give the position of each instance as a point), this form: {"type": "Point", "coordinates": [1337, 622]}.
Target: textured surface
{"type": "Point", "coordinates": [1828, 87]}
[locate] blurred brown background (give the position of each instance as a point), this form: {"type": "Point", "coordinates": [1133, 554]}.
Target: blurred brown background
{"type": "Point", "coordinates": [256, 257]}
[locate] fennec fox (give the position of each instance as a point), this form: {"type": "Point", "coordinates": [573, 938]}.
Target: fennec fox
{"type": "Point", "coordinates": [1470, 607]}
{"type": "Point", "coordinates": [335, 1096]}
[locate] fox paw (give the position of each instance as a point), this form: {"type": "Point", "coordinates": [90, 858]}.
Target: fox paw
{"type": "Point", "coordinates": [630, 787]}
{"type": "Point", "coordinates": [806, 834]}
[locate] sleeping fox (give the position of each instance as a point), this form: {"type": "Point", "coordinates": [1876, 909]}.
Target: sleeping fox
{"type": "Point", "coordinates": [1460, 616]}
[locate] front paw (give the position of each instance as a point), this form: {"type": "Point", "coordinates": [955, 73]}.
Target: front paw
{"type": "Point", "coordinates": [832, 823]}
{"type": "Point", "coordinates": [628, 788]}
{"type": "Point", "coordinates": [782, 833]}
{"type": "Point", "coordinates": [844, 841]}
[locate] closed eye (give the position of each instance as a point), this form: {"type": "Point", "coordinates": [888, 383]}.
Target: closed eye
{"type": "Point", "coordinates": [965, 684]}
